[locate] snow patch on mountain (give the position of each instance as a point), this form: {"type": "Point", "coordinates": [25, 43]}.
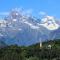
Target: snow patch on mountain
{"type": "Point", "coordinates": [2, 23]}
{"type": "Point", "coordinates": [49, 23]}
{"type": "Point", "coordinates": [31, 25]}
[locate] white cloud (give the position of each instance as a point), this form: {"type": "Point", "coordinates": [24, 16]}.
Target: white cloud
{"type": "Point", "coordinates": [29, 11]}
{"type": "Point", "coordinates": [42, 13]}
{"type": "Point", "coordinates": [4, 13]}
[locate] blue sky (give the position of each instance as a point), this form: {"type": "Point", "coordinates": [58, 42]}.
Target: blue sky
{"type": "Point", "coordinates": [51, 7]}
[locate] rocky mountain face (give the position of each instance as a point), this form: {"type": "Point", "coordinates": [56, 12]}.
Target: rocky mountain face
{"type": "Point", "coordinates": [21, 29]}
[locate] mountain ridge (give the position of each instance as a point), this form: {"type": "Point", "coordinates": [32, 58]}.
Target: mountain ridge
{"type": "Point", "coordinates": [24, 30]}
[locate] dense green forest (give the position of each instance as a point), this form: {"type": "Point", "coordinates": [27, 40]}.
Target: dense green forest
{"type": "Point", "coordinates": [33, 52]}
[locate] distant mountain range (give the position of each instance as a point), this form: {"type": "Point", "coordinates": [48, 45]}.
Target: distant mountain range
{"type": "Point", "coordinates": [21, 29]}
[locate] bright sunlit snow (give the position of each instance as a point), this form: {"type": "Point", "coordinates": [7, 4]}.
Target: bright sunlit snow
{"type": "Point", "coordinates": [49, 23]}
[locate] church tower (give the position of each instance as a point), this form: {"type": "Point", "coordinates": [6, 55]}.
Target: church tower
{"type": "Point", "coordinates": [40, 43]}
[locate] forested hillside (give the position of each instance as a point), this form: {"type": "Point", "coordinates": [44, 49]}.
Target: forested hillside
{"type": "Point", "coordinates": [33, 52]}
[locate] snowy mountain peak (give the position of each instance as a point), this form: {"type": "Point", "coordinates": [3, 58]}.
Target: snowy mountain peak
{"type": "Point", "coordinates": [50, 23]}
{"type": "Point", "coordinates": [23, 30]}
{"type": "Point", "coordinates": [15, 14]}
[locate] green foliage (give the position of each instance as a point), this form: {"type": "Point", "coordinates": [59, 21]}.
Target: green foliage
{"type": "Point", "coordinates": [32, 52]}
{"type": "Point", "coordinates": [33, 58]}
